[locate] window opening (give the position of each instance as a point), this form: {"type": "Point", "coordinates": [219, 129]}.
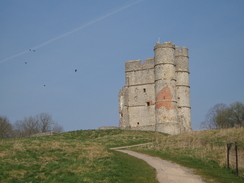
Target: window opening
{"type": "Point", "coordinates": [121, 114]}
{"type": "Point", "coordinates": [148, 103]}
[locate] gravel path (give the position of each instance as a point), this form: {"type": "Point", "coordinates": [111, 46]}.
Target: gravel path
{"type": "Point", "coordinates": [167, 172]}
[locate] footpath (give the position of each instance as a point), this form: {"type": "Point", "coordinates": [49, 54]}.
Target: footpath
{"type": "Point", "coordinates": [167, 172]}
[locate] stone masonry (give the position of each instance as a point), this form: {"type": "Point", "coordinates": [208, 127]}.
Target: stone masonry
{"type": "Point", "coordinates": [156, 96]}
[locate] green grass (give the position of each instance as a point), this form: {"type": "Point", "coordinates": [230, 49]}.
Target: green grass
{"type": "Point", "coordinates": [131, 169]}
{"type": "Point", "coordinates": [79, 156]}
{"type": "Point", "coordinates": [84, 156]}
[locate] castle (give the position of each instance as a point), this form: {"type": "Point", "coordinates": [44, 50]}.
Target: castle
{"type": "Point", "coordinates": [156, 96]}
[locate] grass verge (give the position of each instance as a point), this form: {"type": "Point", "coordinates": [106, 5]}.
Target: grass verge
{"type": "Point", "coordinates": [131, 169]}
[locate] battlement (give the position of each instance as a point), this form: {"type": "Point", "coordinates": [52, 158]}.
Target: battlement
{"type": "Point", "coordinates": [164, 45]}
{"type": "Point", "coordinates": [135, 65]}
{"type": "Point", "coordinates": [182, 52]}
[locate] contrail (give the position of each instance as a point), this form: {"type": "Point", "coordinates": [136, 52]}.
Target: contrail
{"type": "Point", "coordinates": [9, 58]}
{"type": "Point", "coordinates": [75, 30]}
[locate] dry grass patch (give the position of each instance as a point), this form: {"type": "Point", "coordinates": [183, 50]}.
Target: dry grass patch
{"type": "Point", "coordinates": [18, 146]}
{"type": "Point", "coordinates": [17, 173]}
{"type": "Point", "coordinates": [208, 145]}
{"type": "Point", "coordinates": [78, 169]}
{"type": "Point", "coordinates": [95, 152]}
{"type": "Point", "coordinates": [4, 154]}
{"type": "Point", "coordinates": [45, 159]}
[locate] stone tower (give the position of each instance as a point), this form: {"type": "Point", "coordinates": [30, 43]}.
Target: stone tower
{"type": "Point", "coordinates": [183, 88]}
{"type": "Point", "coordinates": [156, 96]}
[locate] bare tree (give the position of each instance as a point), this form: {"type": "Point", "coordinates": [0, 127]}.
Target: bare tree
{"type": "Point", "coordinates": [57, 128]}
{"type": "Point", "coordinates": [18, 129]}
{"type": "Point", "coordinates": [217, 117]}
{"type": "Point", "coordinates": [5, 128]}
{"type": "Point", "coordinates": [222, 116]}
{"type": "Point", "coordinates": [31, 125]}
{"type": "Point", "coordinates": [45, 122]}
{"type": "Point", "coordinates": [237, 114]}
{"type": "Point", "coordinates": [26, 127]}
{"type": "Point", "coordinates": [39, 124]}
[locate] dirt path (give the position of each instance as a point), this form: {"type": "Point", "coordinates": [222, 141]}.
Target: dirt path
{"type": "Point", "coordinates": [167, 172]}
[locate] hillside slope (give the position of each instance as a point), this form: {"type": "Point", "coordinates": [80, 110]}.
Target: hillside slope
{"type": "Point", "coordinates": [84, 156]}
{"type": "Point", "coordinates": [78, 156]}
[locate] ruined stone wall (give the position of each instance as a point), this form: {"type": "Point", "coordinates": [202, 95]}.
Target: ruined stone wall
{"type": "Point", "coordinates": [156, 96]}
{"type": "Point", "coordinates": [43, 134]}
{"type": "Point", "coordinates": [108, 128]}
{"type": "Point", "coordinates": [139, 96]}
{"type": "Point", "coordinates": [123, 108]}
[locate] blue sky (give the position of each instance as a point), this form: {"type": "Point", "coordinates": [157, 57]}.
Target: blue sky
{"type": "Point", "coordinates": [97, 37]}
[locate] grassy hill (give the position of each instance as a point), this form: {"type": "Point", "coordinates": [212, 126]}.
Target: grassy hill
{"type": "Point", "coordinates": [84, 156]}
{"type": "Point", "coordinates": [78, 156]}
